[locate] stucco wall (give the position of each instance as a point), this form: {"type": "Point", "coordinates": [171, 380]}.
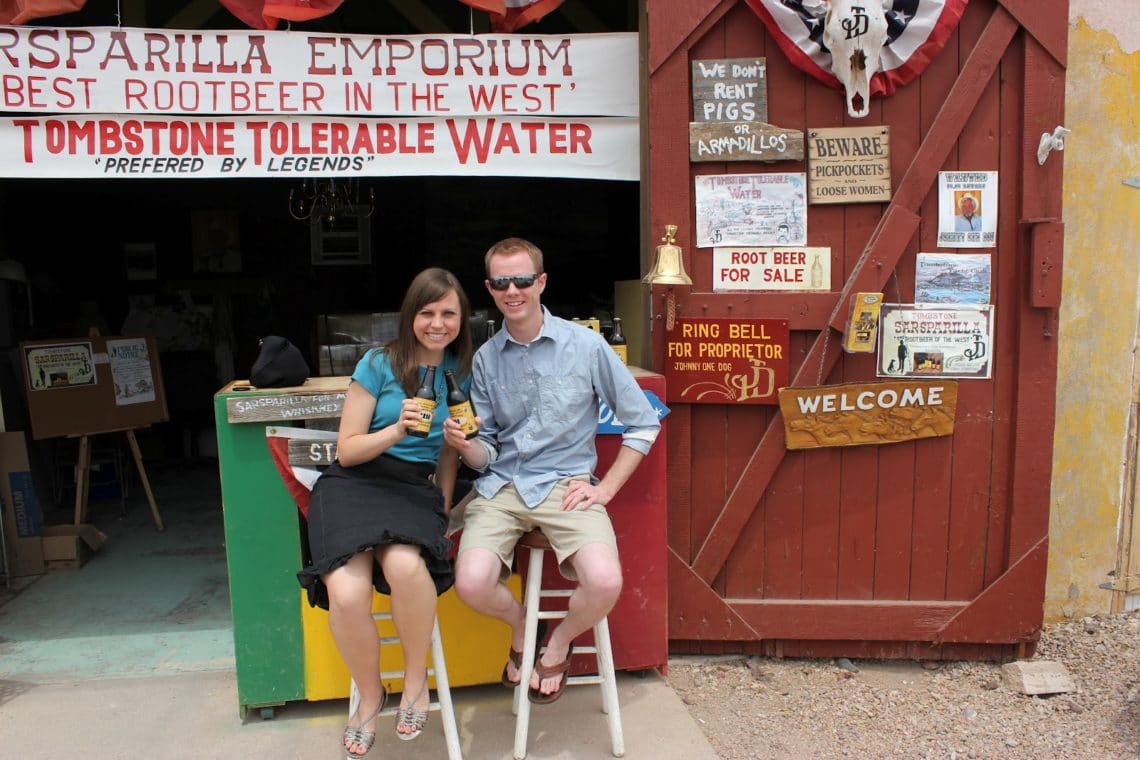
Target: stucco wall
{"type": "Point", "coordinates": [1099, 312]}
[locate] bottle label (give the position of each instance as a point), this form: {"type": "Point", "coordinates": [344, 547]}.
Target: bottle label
{"type": "Point", "coordinates": [464, 415]}
{"type": "Point", "coordinates": [427, 412]}
{"type": "Point", "coordinates": [622, 352]}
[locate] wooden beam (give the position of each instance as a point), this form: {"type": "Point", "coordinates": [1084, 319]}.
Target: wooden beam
{"type": "Point", "coordinates": [193, 15]}
{"type": "Point", "coordinates": [1009, 609]}
{"type": "Point", "coordinates": [846, 619]}
{"type": "Point", "coordinates": [582, 18]}
{"type": "Point", "coordinates": [679, 22]}
{"type": "Point", "coordinates": [698, 612]}
{"type": "Point", "coordinates": [1049, 25]}
{"type": "Point", "coordinates": [132, 13]}
{"type": "Point", "coordinates": [870, 273]}
{"type": "Point", "coordinates": [419, 16]}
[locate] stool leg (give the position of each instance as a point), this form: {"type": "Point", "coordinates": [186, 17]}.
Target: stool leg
{"type": "Point", "coordinates": [609, 685]}
{"type": "Point", "coordinates": [443, 693]}
{"type": "Point", "coordinates": [530, 644]}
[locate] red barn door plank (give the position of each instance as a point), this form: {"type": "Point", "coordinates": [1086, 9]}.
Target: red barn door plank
{"type": "Point", "coordinates": [896, 486]}
{"type": "Point", "coordinates": [1044, 111]}
{"type": "Point", "coordinates": [979, 148]}
{"type": "Point", "coordinates": [679, 477]}
{"type": "Point", "coordinates": [956, 109]}
{"type": "Point", "coordinates": [1009, 610]}
{"type": "Point", "coordinates": [821, 523]}
{"type": "Point", "coordinates": [846, 619]}
{"type": "Point", "coordinates": [745, 570]}
{"type": "Point", "coordinates": [1049, 27]}
{"type": "Point", "coordinates": [698, 612]}
{"type": "Point", "coordinates": [673, 22]}
{"type": "Point", "coordinates": [1037, 328]}
{"type": "Point", "coordinates": [784, 528]}
{"type": "Point", "coordinates": [1007, 287]}
{"type": "Point", "coordinates": [709, 455]}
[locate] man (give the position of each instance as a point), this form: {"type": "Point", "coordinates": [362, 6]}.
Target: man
{"type": "Point", "coordinates": [968, 220]}
{"type": "Point", "coordinates": [535, 388]}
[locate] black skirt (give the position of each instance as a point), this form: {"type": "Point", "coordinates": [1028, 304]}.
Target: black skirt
{"type": "Point", "coordinates": [385, 501]}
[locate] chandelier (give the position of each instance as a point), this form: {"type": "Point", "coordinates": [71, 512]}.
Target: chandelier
{"type": "Point", "coordinates": [326, 199]}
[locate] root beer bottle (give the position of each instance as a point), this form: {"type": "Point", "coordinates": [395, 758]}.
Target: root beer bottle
{"type": "Point", "coordinates": [425, 397]}
{"type": "Point", "coordinates": [459, 406]}
{"type": "Point", "coordinates": [617, 341]}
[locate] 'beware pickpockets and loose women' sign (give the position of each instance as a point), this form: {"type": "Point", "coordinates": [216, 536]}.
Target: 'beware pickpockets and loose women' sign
{"type": "Point", "coordinates": [860, 414]}
{"type": "Point", "coordinates": [726, 361]}
{"type": "Point", "coordinates": [849, 165]}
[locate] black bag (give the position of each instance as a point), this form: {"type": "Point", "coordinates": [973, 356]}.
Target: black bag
{"type": "Point", "coordinates": [279, 364]}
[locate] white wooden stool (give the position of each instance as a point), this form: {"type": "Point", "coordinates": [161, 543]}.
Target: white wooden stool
{"type": "Point", "coordinates": [533, 594]}
{"type": "Point", "coordinates": [438, 668]}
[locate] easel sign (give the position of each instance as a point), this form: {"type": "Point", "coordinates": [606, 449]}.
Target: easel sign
{"type": "Point", "coordinates": [93, 385]}
{"type": "Point", "coordinates": [83, 387]}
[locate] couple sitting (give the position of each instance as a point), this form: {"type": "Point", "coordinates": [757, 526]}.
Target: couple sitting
{"type": "Point", "coordinates": [378, 517]}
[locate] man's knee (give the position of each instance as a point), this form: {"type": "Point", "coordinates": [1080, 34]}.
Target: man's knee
{"type": "Point", "coordinates": [600, 576]}
{"type": "Point", "coordinates": [476, 574]}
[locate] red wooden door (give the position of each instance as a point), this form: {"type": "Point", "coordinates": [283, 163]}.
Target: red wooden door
{"type": "Point", "coordinates": [932, 548]}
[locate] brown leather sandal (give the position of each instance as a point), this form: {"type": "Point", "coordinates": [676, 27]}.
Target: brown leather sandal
{"type": "Point", "coordinates": [546, 671]}
{"type": "Point", "coordinates": [516, 656]}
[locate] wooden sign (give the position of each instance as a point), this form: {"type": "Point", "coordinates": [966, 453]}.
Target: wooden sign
{"type": "Point", "coordinates": [859, 414]}
{"type": "Point", "coordinates": [730, 89]}
{"type": "Point", "coordinates": [726, 361]}
{"type": "Point", "coordinates": [286, 406]}
{"type": "Point", "coordinates": [308, 453]}
{"type": "Point", "coordinates": [744, 141]}
{"type": "Point", "coordinates": [849, 165]}
{"type": "Point", "coordinates": [737, 269]}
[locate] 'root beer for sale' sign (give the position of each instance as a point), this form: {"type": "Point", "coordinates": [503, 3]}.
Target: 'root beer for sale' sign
{"type": "Point", "coordinates": [726, 361]}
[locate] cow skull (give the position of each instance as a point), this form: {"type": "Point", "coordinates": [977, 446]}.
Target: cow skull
{"type": "Point", "coordinates": [855, 32]}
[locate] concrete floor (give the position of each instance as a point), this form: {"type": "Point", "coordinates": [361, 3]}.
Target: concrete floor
{"type": "Point", "coordinates": [132, 656]}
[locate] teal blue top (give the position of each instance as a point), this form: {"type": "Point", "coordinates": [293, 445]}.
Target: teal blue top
{"type": "Point", "coordinates": [374, 373]}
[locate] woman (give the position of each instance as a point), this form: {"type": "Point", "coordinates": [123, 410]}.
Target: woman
{"type": "Point", "coordinates": [375, 518]}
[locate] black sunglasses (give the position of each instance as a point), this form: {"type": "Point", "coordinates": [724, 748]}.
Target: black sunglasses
{"type": "Point", "coordinates": [521, 281]}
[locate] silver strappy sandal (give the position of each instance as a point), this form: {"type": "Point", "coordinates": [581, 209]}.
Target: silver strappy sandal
{"type": "Point", "coordinates": [410, 717]}
{"type": "Point", "coordinates": [357, 734]}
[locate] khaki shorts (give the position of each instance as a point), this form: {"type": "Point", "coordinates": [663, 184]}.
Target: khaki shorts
{"type": "Point", "coordinates": [496, 524]}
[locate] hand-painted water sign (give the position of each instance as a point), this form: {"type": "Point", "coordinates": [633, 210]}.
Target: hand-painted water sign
{"type": "Point", "coordinates": [726, 361]}
{"type": "Point", "coordinates": [849, 165]}
{"type": "Point", "coordinates": [867, 413]}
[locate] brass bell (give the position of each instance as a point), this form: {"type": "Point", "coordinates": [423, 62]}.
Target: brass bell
{"type": "Point", "coordinates": [669, 269]}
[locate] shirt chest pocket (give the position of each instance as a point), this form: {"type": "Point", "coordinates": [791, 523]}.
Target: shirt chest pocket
{"type": "Point", "coordinates": [553, 398]}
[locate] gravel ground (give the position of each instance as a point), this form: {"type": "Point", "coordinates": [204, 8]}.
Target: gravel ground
{"type": "Point", "coordinates": [755, 707]}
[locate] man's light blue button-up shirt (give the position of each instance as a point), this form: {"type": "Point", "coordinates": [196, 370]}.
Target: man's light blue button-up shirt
{"type": "Point", "coordinates": [538, 403]}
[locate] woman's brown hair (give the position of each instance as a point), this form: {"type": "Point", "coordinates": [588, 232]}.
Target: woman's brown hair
{"type": "Point", "coordinates": [428, 286]}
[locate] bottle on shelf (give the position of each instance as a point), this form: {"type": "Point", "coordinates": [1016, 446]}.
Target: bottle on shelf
{"type": "Point", "coordinates": [425, 397]}
{"type": "Point", "coordinates": [490, 329]}
{"type": "Point", "coordinates": [617, 341]}
{"type": "Point", "coordinates": [459, 406]}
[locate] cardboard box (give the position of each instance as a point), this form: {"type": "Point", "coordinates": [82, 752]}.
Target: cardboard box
{"type": "Point", "coordinates": [68, 547]}
{"type": "Point", "coordinates": [20, 506]}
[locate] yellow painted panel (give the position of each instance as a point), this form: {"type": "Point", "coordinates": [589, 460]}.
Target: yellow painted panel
{"type": "Point", "coordinates": [475, 646]}
{"type": "Point", "coordinates": [1098, 321]}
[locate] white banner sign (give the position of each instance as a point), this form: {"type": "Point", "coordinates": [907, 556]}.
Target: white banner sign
{"type": "Point", "coordinates": [247, 72]}
{"type": "Point", "coordinates": [126, 147]}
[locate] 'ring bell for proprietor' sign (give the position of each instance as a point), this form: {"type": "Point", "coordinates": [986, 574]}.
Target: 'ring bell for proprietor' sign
{"type": "Point", "coordinates": [726, 361]}
{"type": "Point", "coordinates": [868, 413]}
